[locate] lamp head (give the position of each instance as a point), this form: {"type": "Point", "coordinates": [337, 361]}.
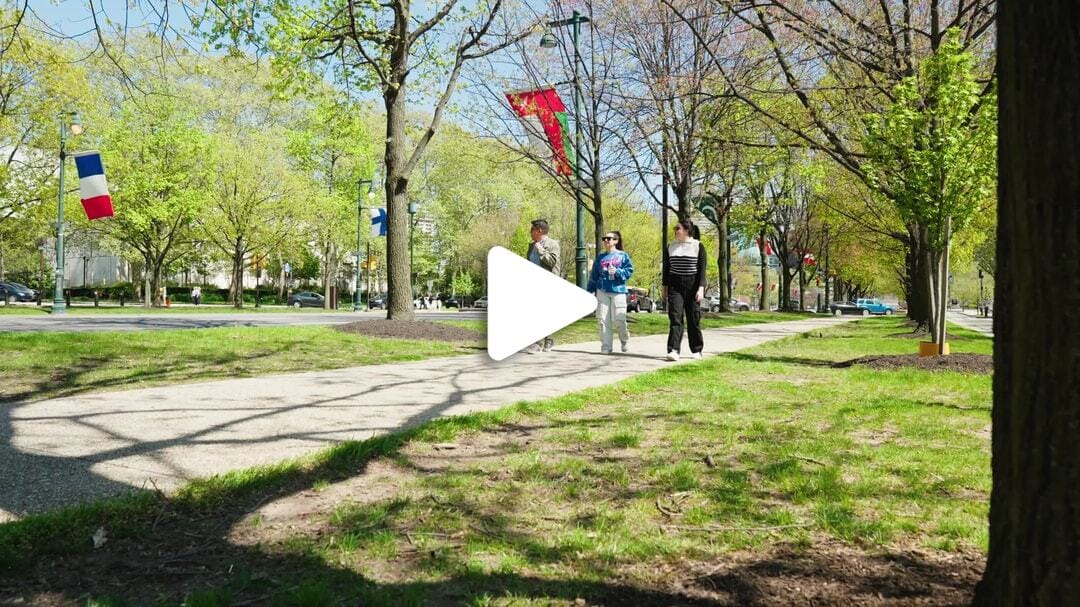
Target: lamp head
{"type": "Point", "coordinates": [548, 40]}
{"type": "Point", "coordinates": [76, 124]}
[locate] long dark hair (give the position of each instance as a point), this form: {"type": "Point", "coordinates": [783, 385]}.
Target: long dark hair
{"type": "Point", "coordinates": [691, 230]}
{"type": "Point", "coordinates": [618, 243]}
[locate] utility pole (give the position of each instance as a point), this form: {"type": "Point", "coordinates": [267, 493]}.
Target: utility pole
{"type": "Point", "coordinates": [827, 277]}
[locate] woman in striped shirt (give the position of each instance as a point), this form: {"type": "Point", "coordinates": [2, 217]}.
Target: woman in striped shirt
{"type": "Point", "coordinates": [684, 286]}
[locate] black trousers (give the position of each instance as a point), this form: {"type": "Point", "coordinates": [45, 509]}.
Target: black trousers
{"type": "Point", "coordinates": [681, 303]}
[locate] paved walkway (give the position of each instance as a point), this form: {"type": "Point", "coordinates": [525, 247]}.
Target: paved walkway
{"type": "Point", "coordinates": [73, 449]}
{"type": "Point", "coordinates": [971, 320]}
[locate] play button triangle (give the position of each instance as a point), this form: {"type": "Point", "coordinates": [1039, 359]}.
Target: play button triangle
{"type": "Point", "coordinates": [527, 303]}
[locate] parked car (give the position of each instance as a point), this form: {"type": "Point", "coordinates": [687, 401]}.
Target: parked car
{"type": "Point", "coordinates": [875, 306]}
{"type": "Point", "coordinates": [451, 302]}
{"type": "Point", "coordinates": [738, 306]}
{"type": "Point", "coordinates": [305, 299]}
{"type": "Point", "coordinates": [712, 304]}
{"type": "Point", "coordinates": [638, 300]}
{"type": "Point", "coordinates": [845, 307]}
{"type": "Point", "coordinates": [481, 303]}
{"type": "Point", "coordinates": [13, 291]}
{"type": "Point", "coordinates": [377, 302]}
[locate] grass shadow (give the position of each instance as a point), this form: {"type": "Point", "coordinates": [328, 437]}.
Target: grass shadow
{"type": "Point", "coordinates": [790, 360]}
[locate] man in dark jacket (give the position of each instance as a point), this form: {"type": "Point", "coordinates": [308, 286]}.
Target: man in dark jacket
{"type": "Point", "coordinates": [545, 252]}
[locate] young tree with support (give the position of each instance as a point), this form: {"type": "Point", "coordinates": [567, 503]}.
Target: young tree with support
{"type": "Point", "coordinates": [837, 61]}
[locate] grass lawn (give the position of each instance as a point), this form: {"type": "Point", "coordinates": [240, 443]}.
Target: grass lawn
{"type": "Point", "coordinates": [649, 324]}
{"type": "Point", "coordinates": [38, 365]}
{"type": "Point", "coordinates": [755, 477]}
{"type": "Point", "coordinates": [49, 364]}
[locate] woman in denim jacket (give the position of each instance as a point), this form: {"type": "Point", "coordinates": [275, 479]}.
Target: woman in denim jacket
{"type": "Point", "coordinates": [610, 272]}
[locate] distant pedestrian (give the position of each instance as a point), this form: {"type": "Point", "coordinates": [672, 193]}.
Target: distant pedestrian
{"type": "Point", "coordinates": [610, 272]}
{"type": "Point", "coordinates": [544, 251]}
{"type": "Point", "coordinates": [196, 295]}
{"type": "Point", "coordinates": [684, 288]}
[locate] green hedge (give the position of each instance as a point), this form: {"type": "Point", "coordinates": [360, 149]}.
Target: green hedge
{"type": "Point", "coordinates": [268, 295]}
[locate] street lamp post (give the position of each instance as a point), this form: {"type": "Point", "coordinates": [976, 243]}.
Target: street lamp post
{"type": "Point", "coordinates": [359, 224]}
{"type": "Point", "coordinates": [67, 120]}
{"type": "Point", "coordinates": [549, 41]}
{"type": "Point", "coordinates": [982, 304]}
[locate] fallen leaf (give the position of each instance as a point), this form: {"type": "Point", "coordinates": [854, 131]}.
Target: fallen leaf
{"type": "Point", "coordinates": [99, 537]}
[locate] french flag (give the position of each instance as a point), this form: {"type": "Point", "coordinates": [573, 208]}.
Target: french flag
{"type": "Point", "coordinates": [93, 190]}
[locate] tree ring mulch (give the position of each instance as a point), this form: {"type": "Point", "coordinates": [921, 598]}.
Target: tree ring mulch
{"type": "Point", "coordinates": [962, 363]}
{"type": "Point", "coordinates": [413, 329]}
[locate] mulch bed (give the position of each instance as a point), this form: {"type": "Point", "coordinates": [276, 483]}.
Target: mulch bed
{"type": "Point", "coordinates": [413, 329]}
{"type": "Point", "coordinates": [963, 363]}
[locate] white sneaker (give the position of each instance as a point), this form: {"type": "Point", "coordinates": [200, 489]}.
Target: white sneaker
{"type": "Point", "coordinates": [695, 356]}
{"type": "Point", "coordinates": [626, 348]}
{"type": "Point", "coordinates": [673, 355]}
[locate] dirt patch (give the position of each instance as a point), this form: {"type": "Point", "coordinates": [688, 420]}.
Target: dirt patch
{"type": "Point", "coordinates": [414, 329]}
{"type": "Point", "coordinates": [963, 363]}
{"type": "Point", "coordinates": [832, 573]}
{"type": "Point", "coordinates": [876, 438]}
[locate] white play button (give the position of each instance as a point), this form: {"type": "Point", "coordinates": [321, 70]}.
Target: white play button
{"type": "Point", "coordinates": [527, 303]}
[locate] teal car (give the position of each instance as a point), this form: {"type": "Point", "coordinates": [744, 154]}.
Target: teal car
{"type": "Point", "coordinates": [874, 306]}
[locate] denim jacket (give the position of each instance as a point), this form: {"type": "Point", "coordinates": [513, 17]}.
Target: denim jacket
{"type": "Point", "coordinates": [601, 280]}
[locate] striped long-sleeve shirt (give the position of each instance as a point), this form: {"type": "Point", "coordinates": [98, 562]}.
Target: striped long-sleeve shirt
{"type": "Point", "coordinates": [685, 260]}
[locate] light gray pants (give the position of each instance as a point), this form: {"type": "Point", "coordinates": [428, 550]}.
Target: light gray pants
{"type": "Point", "coordinates": [611, 310]}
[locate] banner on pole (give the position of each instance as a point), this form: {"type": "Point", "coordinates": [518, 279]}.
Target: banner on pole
{"type": "Point", "coordinates": [543, 112]}
{"type": "Point", "coordinates": [93, 190]}
{"type": "Point", "coordinates": [378, 222]}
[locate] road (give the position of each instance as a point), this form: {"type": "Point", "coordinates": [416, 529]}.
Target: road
{"type": "Point", "coordinates": [140, 322]}
{"type": "Point", "coordinates": [973, 322]}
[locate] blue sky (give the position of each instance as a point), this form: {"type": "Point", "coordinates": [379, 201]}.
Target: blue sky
{"type": "Point", "coordinates": [72, 17]}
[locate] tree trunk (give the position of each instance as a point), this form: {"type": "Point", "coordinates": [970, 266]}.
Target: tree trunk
{"type": "Point", "coordinates": [1034, 556]}
{"type": "Point", "coordinates": [723, 251]}
{"type": "Point", "coordinates": [918, 280]}
{"type": "Point", "coordinates": [400, 306]}
{"type": "Point", "coordinates": [148, 291]}
{"type": "Point", "coordinates": [802, 289]}
{"type": "Point", "coordinates": [155, 285]}
{"type": "Point", "coordinates": [329, 274]}
{"type": "Point", "coordinates": [281, 278]}
{"type": "Point", "coordinates": [236, 289]}
{"type": "Point", "coordinates": [598, 216]}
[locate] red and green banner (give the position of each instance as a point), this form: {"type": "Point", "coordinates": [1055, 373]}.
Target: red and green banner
{"type": "Point", "coordinates": [542, 111]}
